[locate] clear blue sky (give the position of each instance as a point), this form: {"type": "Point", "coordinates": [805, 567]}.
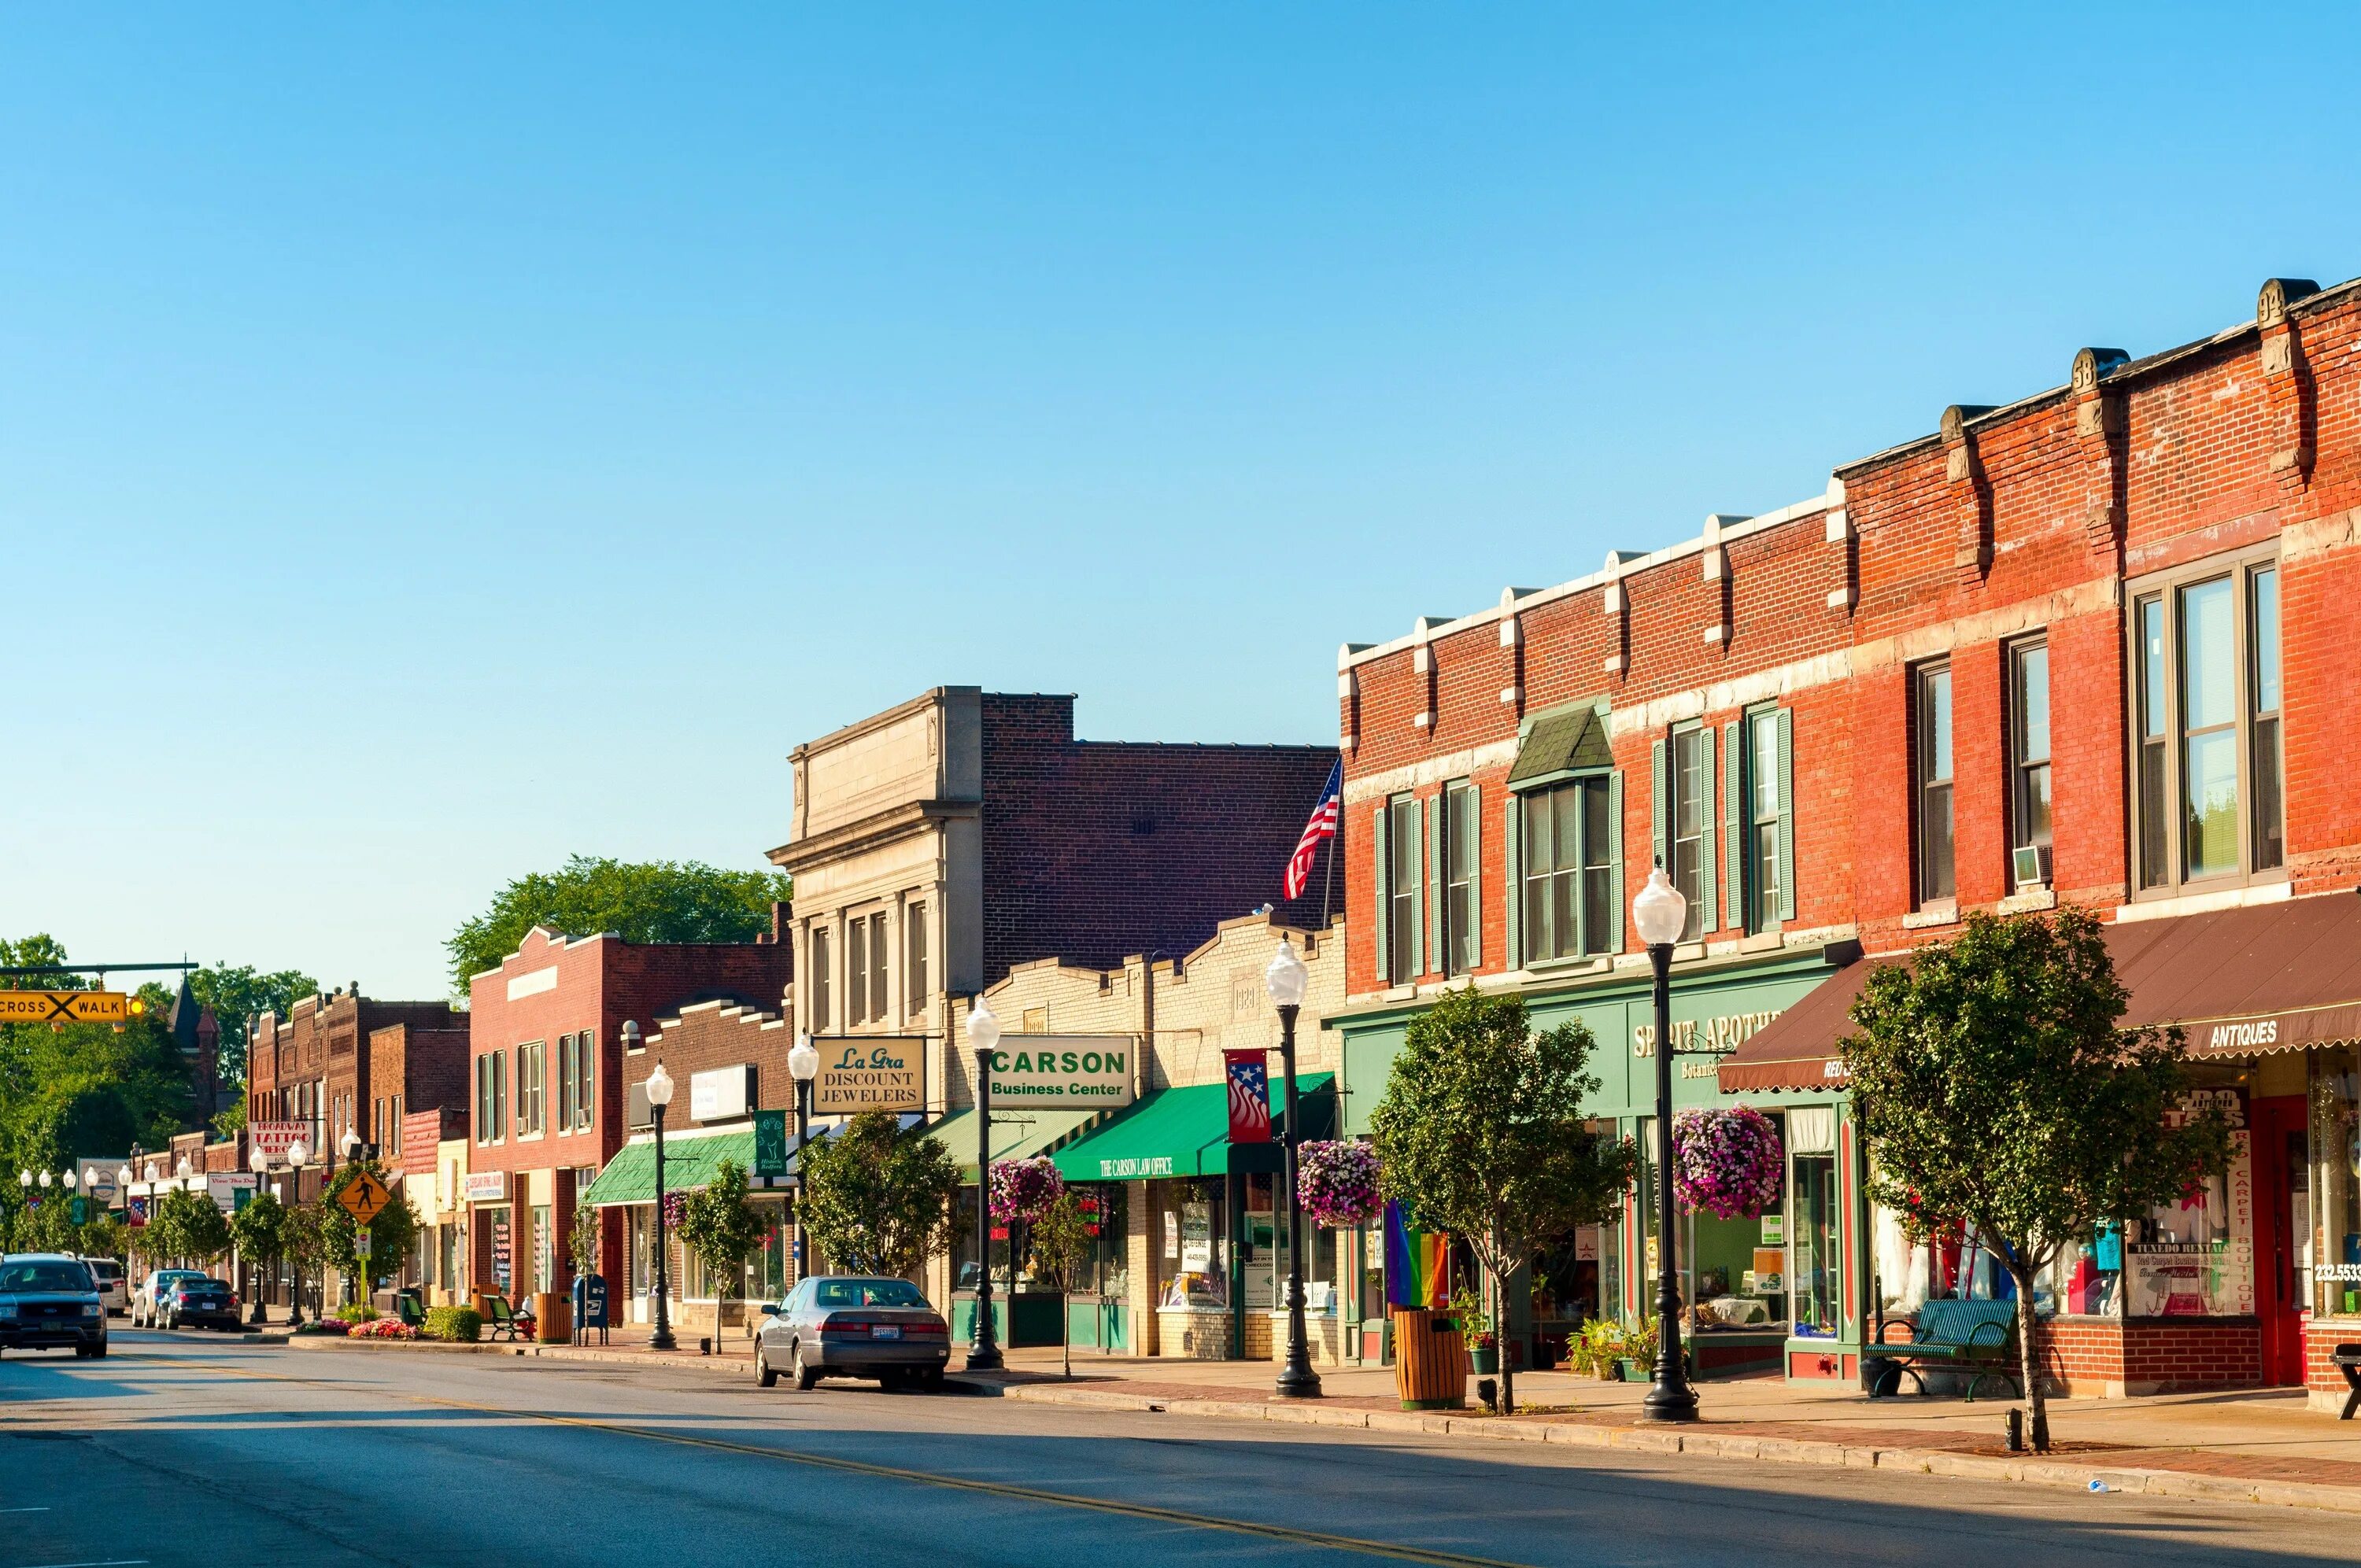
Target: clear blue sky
{"type": "Point", "coordinates": [433, 443]}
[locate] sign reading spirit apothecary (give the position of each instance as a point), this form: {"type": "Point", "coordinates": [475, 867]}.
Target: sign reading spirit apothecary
{"type": "Point", "coordinates": [884, 1073]}
{"type": "Point", "coordinates": [1065, 1072]}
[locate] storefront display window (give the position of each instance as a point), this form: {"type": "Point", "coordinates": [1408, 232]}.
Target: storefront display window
{"type": "Point", "coordinates": [2195, 1257]}
{"type": "Point", "coordinates": [1196, 1252]}
{"type": "Point", "coordinates": [1734, 1272]}
{"type": "Point", "coordinates": [2331, 1233]}
{"type": "Point", "coordinates": [1108, 1271]}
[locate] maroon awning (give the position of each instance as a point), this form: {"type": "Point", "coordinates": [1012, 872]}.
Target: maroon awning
{"type": "Point", "coordinates": [2239, 982]}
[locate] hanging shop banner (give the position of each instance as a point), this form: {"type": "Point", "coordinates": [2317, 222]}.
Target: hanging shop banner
{"type": "Point", "coordinates": [1249, 1074]}
{"type": "Point", "coordinates": [274, 1138]}
{"type": "Point", "coordinates": [1069, 1071]}
{"type": "Point", "coordinates": [880, 1074]}
{"type": "Point", "coordinates": [770, 1145]}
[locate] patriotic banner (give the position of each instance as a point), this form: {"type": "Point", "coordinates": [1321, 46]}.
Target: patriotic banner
{"type": "Point", "coordinates": [1249, 1075]}
{"type": "Point", "coordinates": [1418, 1271]}
{"type": "Point", "coordinates": [1321, 826]}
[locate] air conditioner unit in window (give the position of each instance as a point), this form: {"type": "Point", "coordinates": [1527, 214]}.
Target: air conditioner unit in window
{"type": "Point", "coordinates": [2033, 865]}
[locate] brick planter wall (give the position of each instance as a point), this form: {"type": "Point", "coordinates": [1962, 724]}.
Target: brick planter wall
{"type": "Point", "coordinates": [2105, 1357]}
{"type": "Point", "coordinates": [2324, 1382]}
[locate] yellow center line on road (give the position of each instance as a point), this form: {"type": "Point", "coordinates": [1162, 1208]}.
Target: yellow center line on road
{"type": "Point", "coordinates": [1148, 1511]}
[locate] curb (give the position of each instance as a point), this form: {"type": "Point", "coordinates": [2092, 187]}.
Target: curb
{"type": "Point", "coordinates": [2185, 1486]}
{"type": "Point", "coordinates": [742, 1365]}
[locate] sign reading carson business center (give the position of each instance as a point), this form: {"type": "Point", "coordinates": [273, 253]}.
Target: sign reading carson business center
{"type": "Point", "coordinates": [1072, 1072]}
{"type": "Point", "coordinates": [880, 1074]}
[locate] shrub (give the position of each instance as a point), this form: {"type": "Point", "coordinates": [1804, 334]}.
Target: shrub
{"type": "Point", "coordinates": [358, 1312]}
{"type": "Point", "coordinates": [462, 1325]}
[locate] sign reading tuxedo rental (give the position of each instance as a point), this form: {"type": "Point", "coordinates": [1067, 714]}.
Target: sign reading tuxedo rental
{"type": "Point", "coordinates": [880, 1074]}
{"type": "Point", "coordinates": [1065, 1072]}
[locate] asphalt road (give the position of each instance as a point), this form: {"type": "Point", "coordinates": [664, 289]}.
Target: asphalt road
{"type": "Point", "coordinates": [191, 1450]}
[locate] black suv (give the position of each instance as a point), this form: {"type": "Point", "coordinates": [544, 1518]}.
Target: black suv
{"type": "Point", "coordinates": [48, 1299]}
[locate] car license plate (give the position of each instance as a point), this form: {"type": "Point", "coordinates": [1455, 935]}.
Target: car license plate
{"type": "Point", "coordinates": [884, 1330]}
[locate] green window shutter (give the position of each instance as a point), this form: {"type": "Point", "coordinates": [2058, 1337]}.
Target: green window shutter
{"type": "Point", "coordinates": [1663, 805]}
{"type": "Point", "coordinates": [1736, 813]}
{"type": "Point", "coordinates": [1786, 814]}
{"type": "Point", "coordinates": [1435, 919]}
{"type": "Point", "coordinates": [1379, 906]}
{"type": "Point", "coordinates": [1615, 859]}
{"type": "Point", "coordinates": [1414, 857]}
{"type": "Point", "coordinates": [1708, 862]}
{"type": "Point", "coordinates": [1512, 881]}
{"type": "Point", "coordinates": [1471, 801]}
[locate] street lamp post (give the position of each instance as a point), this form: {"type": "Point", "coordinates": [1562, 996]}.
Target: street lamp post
{"type": "Point", "coordinates": [258, 1162]}
{"type": "Point", "coordinates": [298, 1155]}
{"type": "Point", "coordinates": [983, 1035]}
{"type": "Point", "coordinates": [1661, 914]}
{"type": "Point", "coordinates": [1287, 980]}
{"type": "Point", "coordinates": [803, 1066]}
{"type": "Point", "coordinates": [659, 1092]}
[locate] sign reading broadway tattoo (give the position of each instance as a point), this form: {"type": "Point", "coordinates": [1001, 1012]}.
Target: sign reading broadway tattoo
{"type": "Point", "coordinates": [881, 1073]}
{"type": "Point", "coordinates": [1063, 1071]}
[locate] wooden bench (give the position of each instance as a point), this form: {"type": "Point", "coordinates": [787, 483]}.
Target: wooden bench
{"type": "Point", "coordinates": [2346, 1358]}
{"type": "Point", "coordinates": [1978, 1338]}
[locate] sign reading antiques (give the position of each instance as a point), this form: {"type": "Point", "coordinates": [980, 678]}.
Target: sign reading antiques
{"type": "Point", "coordinates": [1063, 1071]}
{"type": "Point", "coordinates": [881, 1074]}
{"type": "Point", "coordinates": [63, 1007]}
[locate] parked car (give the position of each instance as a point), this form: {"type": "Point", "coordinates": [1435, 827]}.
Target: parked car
{"type": "Point", "coordinates": [853, 1326]}
{"type": "Point", "coordinates": [48, 1300]}
{"type": "Point", "coordinates": [195, 1299]}
{"type": "Point", "coordinates": [147, 1300]}
{"type": "Point", "coordinates": [114, 1294]}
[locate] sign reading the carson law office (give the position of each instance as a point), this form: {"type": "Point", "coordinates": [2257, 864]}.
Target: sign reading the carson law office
{"type": "Point", "coordinates": [881, 1074]}
{"type": "Point", "coordinates": [1070, 1072]}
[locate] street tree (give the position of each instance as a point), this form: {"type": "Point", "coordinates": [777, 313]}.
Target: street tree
{"type": "Point", "coordinates": [302, 1242]}
{"type": "Point", "coordinates": [393, 1234]}
{"type": "Point", "coordinates": [260, 1228]}
{"type": "Point", "coordinates": [880, 1200]}
{"type": "Point", "coordinates": [724, 1230]}
{"type": "Point", "coordinates": [661, 901]}
{"type": "Point", "coordinates": [188, 1227]}
{"type": "Point", "coordinates": [1062, 1243]}
{"type": "Point", "coordinates": [1993, 1089]}
{"type": "Point", "coordinates": [1481, 1133]}
{"type": "Point", "coordinates": [582, 1240]}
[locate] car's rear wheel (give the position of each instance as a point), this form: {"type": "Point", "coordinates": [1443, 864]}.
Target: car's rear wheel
{"type": "Point", "coordinates": [765, 1373]}
{"type": "Point", "coordinates": [807, 1376]}
{"type": "Point", "coordinates": [99, 1353]}
{"type": "Point", "coordinates": [931, 1380]}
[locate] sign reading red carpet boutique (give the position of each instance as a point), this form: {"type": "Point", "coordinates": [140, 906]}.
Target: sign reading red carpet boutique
{"type": "Point", "coordinates": [1069, 1072]}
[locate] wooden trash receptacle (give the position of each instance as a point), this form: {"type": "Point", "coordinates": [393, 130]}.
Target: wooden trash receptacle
{"type": "Point", "coordinates": [1430, 1359]}
{"type": "Point", "coordinates": [552, 1318]}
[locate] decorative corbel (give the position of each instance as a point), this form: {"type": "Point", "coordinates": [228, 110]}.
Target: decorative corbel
{"type": "Point", "coordinates": [2287, 379]}
{"type": "Point", "coordinates": [1512, 641]}
{"type": "Point", "coordinates": [1715, 564]}
{"type": "Point", "coordinates": [2099, 424]}
{"type": "Point", "coordinates": [1836, 530]}
{"type": "Point", "coordinates": [1963, 471]}
{"type": "Point", "coordinates": [1616, 605]}
{"type": "Point", "coordinates": [1422, 664]}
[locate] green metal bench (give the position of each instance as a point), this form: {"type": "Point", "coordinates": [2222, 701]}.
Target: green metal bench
{"type": "Point", "coordinates": [1978, 1338]}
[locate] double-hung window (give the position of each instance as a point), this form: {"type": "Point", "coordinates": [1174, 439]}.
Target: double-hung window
{"type": "Point", "coordinates": [1399, 884]}
{"type": "Point", "coordinates": [864, 969]}
{"type": "Point", "coordinates": [914, 960]}
{"type": "Point", "coordinates": [1566, 853]}
{"type": "Point", "coordinates": [1684, 814]}
{"type": "Point", "coordinates": [1931, 750]}
{"type": "Point", "coordinates": [530, 1071]}
{"type": "Point", "coordinates": [1459, 844]}
{"type": "Point", "coordinates": [586, 1096]}
{"type": "Point", "coordinates": [1759, 852]}
{"type": "Point", "coordinates": [2028, 764]}
{"type": "Point", "coordinates": [2206, 726]}
{"type": "Point", "coordinates": [816, 982]}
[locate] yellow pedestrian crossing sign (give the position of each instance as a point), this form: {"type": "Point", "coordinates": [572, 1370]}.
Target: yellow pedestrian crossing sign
{"type": "Point", "coordinates": [66, 1006]}
{"type": "Point", "coordinates": [364, 1197]}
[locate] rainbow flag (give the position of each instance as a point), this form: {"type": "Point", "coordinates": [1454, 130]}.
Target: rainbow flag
{"type": "Point", "coordinates": [1418, 1271]}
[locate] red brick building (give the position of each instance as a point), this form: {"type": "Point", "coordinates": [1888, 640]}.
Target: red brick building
{"type": "Point", "coordinates": [546, 1080]}
{"type": "Point", "coordinates": [2095, 645]}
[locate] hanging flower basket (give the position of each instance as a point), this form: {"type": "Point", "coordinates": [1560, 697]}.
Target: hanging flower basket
{"type": "Point", "coordinates": [1023, 1189]}
{"type": "Point", "coordinates": [675, 1207]}
{"type": "Point", "coordinates": [1727, 1163]}
{"type": "Point", "coordinates": [1337, 1182]}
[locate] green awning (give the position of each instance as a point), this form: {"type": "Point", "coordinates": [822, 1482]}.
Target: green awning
{"type": "Point", "coordinates": [1181, 1132]}
{"type": "Point", "coordinates": [1564, 741]}
{"type": "Point", "coordinates": [630, 1176]}
{"type": "Point", "coordinates": [1016, 1134]}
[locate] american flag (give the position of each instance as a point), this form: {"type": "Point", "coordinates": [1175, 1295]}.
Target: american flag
{"type": "Point", "coordinates": [1321, 826]}
{"type": "Point", "coordinates": [1249, 1075]}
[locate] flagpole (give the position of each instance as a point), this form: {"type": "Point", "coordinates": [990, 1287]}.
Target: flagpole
{"type": "Point", "coordinates": [1328, 878]}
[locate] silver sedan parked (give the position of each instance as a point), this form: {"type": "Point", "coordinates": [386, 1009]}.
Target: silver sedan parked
{"type": "Point", "coordinates": [839, 1325]}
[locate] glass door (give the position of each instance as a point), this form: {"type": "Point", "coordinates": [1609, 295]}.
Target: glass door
{"type": "Point", "coordinates": [1814, 1276]}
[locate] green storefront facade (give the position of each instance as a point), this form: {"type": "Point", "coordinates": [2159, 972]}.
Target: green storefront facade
{"type": "Point", "coordinates": [1788, 1290]}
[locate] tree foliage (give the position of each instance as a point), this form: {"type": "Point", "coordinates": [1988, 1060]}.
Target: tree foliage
{"type": "Point", "coordinates": [1062, 1244]}
{"type": "Point", "coordinates": [722, 1229]}
{"type": "Point", "coordinates": [880, 1200]}
{"type": "Point", "coordinates": [659, 901]}
{"type": "Point", "coordinates": [1481, 1133]}
{"type": "Point", "coordinates": [393, 1235]}
{"type": "Point", "coordinates": [187, 1226]}
{"type": "Point", "coordinates": [1993, 1089]}
{"type": "Point", "coordinates": [84, 1090]}
{"type": "Point", "coordinates": [260, 1229]}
